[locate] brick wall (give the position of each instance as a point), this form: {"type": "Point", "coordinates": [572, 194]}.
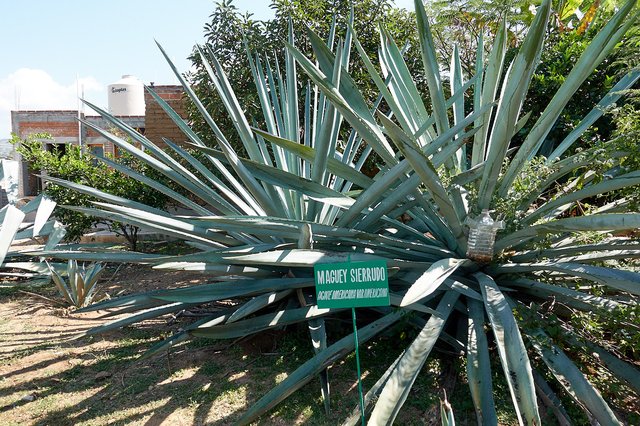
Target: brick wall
{"type": "Point", "coordinates": [157, 123]}
{"type": "Point", "coordinates": [91, 137]}
{"type": "Point", "coordinates": [62, 125]}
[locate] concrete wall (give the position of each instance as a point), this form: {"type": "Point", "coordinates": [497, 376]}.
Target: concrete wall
{"type": "Point", "coordinates": [62, 125]}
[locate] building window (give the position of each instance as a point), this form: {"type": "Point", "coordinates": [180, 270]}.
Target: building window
{"type": "Point", "coordinates": [97, 149]}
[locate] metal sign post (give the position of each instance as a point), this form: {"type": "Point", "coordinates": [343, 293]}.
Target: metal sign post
{"type": "Point", "coordinates": [351, 285]}
{"type": "Point", "coordinates": [355, 337]}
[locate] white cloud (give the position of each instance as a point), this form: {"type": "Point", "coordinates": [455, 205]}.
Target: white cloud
{"type": "Point", "coordinates": [35, 89]}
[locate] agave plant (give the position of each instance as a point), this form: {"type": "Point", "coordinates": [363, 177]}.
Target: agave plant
{"type": "Point", "coordinates": [81, 288]}
{"type": "Point", "coordinates": [261, 223]}
{"type": "Point", "coordinates": [446, 413]}
{"type": "Point", "coordinates": [14, 227]}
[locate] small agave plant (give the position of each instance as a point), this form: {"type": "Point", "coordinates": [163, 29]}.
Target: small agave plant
{"type": "Point", "coordinates": [261, 223]}
{"type": "Point", "coordinates": [81, 287]}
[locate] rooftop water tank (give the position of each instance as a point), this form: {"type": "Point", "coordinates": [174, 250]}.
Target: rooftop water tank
{"type": "Point", "coordinates": [126, 96]}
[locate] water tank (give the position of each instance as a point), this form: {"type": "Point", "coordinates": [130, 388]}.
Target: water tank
{"type": "Point", "coordinates": [126, 96]}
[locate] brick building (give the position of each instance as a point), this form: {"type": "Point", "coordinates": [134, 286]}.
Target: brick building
{"type": "Point", "coordinates": [65, 128]}
{"type": "Point", "coordinates": [157, 124]}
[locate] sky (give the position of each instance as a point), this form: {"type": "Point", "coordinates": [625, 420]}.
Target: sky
{"type": "Point", "coordinates": [54, 51]}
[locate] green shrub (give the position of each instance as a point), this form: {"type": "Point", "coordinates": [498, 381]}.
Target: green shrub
{"type": "Point", "coordinates": [80, 167]}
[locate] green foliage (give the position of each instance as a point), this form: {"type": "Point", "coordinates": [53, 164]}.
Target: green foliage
{"type": "Point", "coordinates": [229, 33]}
{"type": "Point", "coordinates": [462, 22]}
{"type": "Point", "coordinates": [226, 34]}
{"type": "Point", "coordinates": [300, 198]}
{"type": "Point", "coordinates": [72, 166]}
{"type": "Point", "coordinates": [627, 135]}
{"type": "Point", "coordinates": [618, 327]}
{"type": "Point", "coordinates": [368, 15]}
{"type": "Point", "coordinates": [603, 165]}
{"type": "Point", "coordinates": [77, 166]}
{"type": "Point", "coordinates": [565, 44]}
{"type": "Point", "coordinates": [558, 57]}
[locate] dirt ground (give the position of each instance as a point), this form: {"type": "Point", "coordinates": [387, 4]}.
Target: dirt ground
{"type": "Point", "coordinates": [48, 379]}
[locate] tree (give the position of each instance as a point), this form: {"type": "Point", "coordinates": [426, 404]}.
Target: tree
{"type": "Point", "coordinates": [75, 166]}
{"type": "Point", "coordinates": [226, 35]}
{"type": "Point", "coordinates": [463, 22]}
{"type": "Point", "coordinates": [571, 28]}
{"type": "Point", "coordinates": [230, 33]}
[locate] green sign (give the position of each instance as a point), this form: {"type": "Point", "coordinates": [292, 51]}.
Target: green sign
{"type": "Point", "coordinates": [351, 284]}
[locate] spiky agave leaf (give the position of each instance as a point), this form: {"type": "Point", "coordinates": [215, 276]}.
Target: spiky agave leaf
{"type": "Point", "coordinates": [31, 221]}
{"type": "Point", "coordinates": [300, 198]}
